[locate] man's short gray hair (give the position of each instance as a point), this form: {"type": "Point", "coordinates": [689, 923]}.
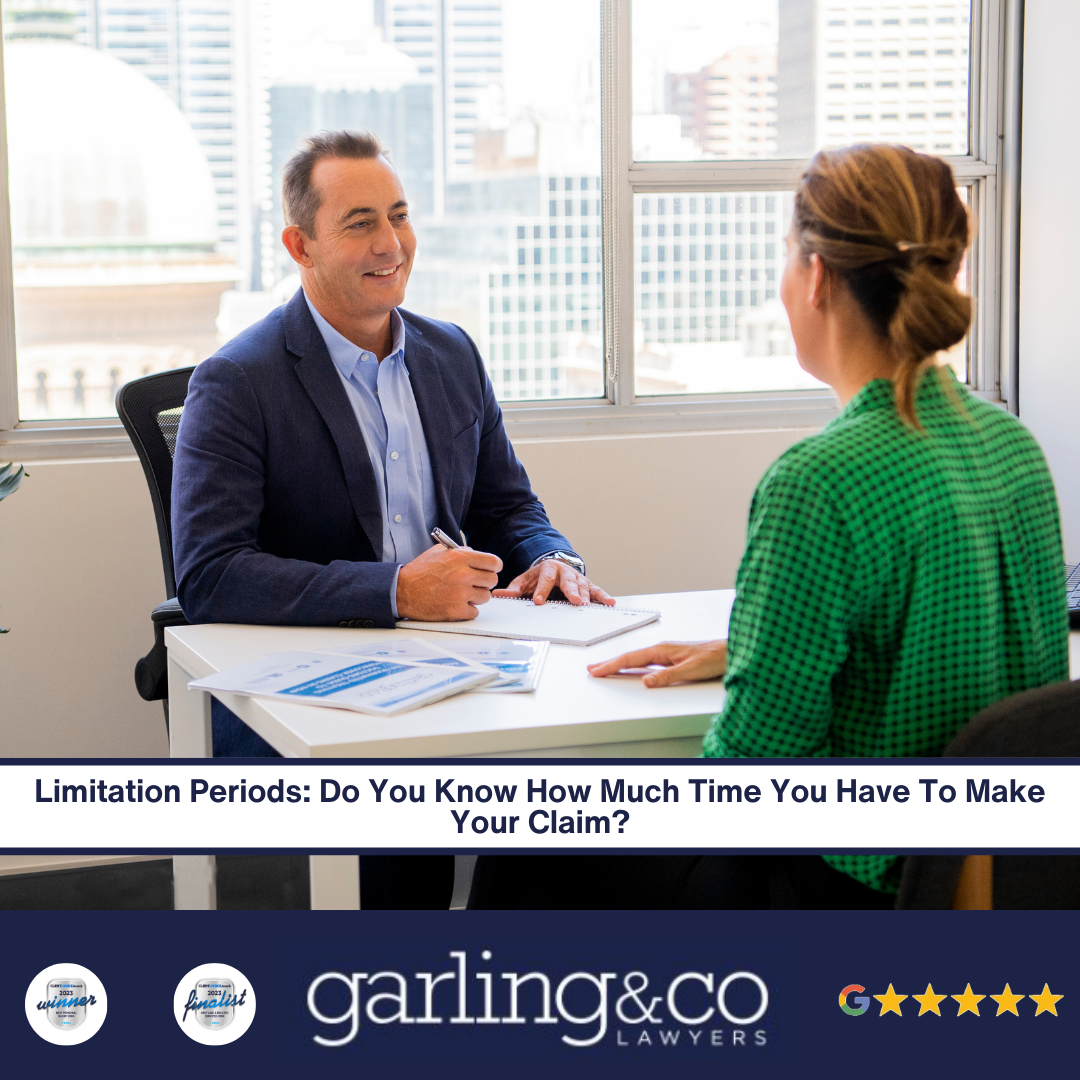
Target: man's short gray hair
{"type": "Point", "coordinates": [299, 199]}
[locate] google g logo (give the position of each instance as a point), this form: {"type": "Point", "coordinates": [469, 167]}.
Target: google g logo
{"type": "Point", "coordinates": [862, 1002]}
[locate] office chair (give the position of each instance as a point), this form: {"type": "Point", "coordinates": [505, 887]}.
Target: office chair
{"type": "Point", "coordinates": [150, 411]}
{"type": "Point", "coordinates": [1037, 723]}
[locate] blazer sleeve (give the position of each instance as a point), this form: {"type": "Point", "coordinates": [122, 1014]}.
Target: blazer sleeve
{"type": "Point", "coordinates": [222, 575]}
{"type": "Point", "coordinates": [504, 514]}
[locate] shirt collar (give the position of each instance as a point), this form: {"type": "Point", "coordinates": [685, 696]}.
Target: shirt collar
{"type": "Point", "coordinates": [344, 353]}
{"type": "Point", "coordinates": [881, 393]}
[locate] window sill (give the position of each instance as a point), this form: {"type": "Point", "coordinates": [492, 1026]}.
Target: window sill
{"type": "Point", "coordinates": [44, 440]}
{"type": "Point", "coordinates": [657, 416]}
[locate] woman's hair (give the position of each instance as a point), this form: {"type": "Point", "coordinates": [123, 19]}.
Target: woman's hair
{"type": "Point", "coordinates": [889, 223]}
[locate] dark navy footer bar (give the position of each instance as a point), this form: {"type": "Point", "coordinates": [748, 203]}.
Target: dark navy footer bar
{"type": "Point", "coordinates": [540, 994]}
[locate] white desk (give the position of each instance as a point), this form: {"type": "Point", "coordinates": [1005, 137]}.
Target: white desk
{"type": "Point", "coordinates": [569, 715]}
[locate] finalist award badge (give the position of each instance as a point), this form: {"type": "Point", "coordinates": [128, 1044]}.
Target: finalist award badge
{"type": "Point", "coordinates": [214, 1004]}
{"type": "Point", "coordinates": [66, 1004]}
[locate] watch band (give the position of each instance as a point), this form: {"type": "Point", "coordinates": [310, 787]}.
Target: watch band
{"type": "Point", "coordinates": [567, 557]}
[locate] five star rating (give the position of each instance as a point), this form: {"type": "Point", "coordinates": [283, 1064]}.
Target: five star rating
{"type": "Point", "coordinates": [929, 1001]}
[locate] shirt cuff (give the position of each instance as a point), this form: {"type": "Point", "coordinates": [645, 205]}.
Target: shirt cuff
{"type": "Point", "coordinates": [393, 594]}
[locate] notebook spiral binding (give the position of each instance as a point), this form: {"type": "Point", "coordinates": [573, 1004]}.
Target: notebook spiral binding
{"type": "Point", "coordinates": [592, 604]}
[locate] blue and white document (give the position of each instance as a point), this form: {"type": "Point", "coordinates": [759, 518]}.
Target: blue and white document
{"type": "Point", "coordinates": [378, 686]}
{"type": "Point", "coordinates": [517, 663]}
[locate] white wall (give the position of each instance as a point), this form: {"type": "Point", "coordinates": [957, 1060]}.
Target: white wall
{"type": "Point", "coordinates": [1049, 382]}
{"type": "Point", "coordinates": [80, 569]}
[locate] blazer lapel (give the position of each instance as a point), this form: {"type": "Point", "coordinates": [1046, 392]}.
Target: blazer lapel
{"type": "Point", "coordinates": [434, 409]}
{"type": "Point", "coordinates": [320, 379]}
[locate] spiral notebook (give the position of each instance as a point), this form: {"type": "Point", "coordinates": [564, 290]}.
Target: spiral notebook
{"type": "Point", "coordinates": [556, 621]}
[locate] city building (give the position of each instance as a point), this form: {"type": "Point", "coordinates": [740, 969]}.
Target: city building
{"type": "Point", "coordinates": [729, 106]}
{"type": "Point", "coordinates": [191, 49]}
{"type": "Point", "coordinates": [704, 266]}
{"type": "Point", "coordinates": [873, 72]}
{"type": "Point", "coordinates": [457, 46]}
{"type": "Point", "coordinates": [116, 267]}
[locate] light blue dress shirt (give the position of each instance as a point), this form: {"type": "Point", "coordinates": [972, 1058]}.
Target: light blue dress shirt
{"type": "Point", "coordinates": [382, 398]}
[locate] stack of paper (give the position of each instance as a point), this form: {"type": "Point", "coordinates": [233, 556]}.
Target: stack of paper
{"type": "Point", "coordinates": [516, 663]}
{"type": "Point", "coordinates": [378, 686]}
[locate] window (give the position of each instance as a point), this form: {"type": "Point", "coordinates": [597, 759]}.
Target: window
{"type": "Point", "coordinates": [804, 108]}
{"type": "Point", "coordinates": [631, 282]}
{"type": "Point", "coordinates": [140, 246]}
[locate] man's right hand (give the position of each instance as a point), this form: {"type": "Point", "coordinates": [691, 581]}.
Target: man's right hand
{"type": "Point", "coordinates": [446, 586]}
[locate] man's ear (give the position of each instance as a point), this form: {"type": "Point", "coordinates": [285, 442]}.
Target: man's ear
{"type": "Point", "coordinates": [295, 241]}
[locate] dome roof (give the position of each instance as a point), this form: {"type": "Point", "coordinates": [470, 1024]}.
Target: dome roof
{"type": "Point", "coordinates": [99, 155]}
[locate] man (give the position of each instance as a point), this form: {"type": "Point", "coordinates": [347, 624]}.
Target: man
{"type": "Point", "coordinates": [319, 448]}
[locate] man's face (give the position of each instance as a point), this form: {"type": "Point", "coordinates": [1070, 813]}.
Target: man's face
{"type": "Point", "coordinates": [363, 247]}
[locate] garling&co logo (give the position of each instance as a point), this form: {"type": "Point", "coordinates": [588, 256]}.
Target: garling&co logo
{"type": "Point", "coordinates": [66, 1004]}
{"type": "Point", "coordinates": [214, 1004]}
{"type": "Point", "coordinates": [692, 1008]}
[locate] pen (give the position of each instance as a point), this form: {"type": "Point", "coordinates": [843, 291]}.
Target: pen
{"type": "Point", "coordinates": [441, 538]}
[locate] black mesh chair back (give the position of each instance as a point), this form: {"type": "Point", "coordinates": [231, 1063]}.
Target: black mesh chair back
{"type": "Point", "coordinates": [150, 410]}
{"type": "Point", "coordinates": [1038, 723]}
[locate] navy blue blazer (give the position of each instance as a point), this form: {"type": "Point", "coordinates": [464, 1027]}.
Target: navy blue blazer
{"type": "Point", "coordinates": [275, 513]}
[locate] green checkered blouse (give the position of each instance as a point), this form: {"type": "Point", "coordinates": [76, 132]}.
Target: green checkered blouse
{"type": "Point", "coordinates": [894, 583]}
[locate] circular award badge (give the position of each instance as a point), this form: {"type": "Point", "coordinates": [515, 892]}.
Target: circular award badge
{"type": "Point", "coordinates": [214, 1004]}
{"type": "Point", "coordinates": [66, 1004]}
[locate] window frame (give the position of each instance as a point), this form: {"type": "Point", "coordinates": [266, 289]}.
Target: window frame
{"type": "Point", "coordinates": [990, 170]}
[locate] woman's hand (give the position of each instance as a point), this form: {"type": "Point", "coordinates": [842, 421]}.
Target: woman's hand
{"type": "Point", "coordinates": [681, 662]}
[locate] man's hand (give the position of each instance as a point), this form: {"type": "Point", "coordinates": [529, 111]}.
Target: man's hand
{"type": "Point", "coordinates": [682, 662]}
{"type": "Point", "coordinates": [539, 580]}
{"type": "Point", "coordinates": [446, 586]}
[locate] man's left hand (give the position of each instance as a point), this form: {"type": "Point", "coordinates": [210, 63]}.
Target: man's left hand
{"type": "Point", "coordinates": [539, 580]}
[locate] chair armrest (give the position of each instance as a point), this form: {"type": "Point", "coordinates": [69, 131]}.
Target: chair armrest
{"type": "Point", "coordinates": [151, 672]}
{"type": "Point", "coordinates": [168, 614]}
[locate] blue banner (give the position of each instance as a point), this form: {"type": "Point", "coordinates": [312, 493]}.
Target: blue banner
{"type": "Point", "coordinates": [541, 994]}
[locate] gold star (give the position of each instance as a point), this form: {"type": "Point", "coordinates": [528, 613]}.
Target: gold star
{"type": "Point", "coordinates": [969, 1002]}
{"type": "Point", "coordinates": [890, 1001]}
{"type": "Point", "coordinates": [1006, 1001]}
{"type": "Point", "coordinates": [929, 1001]}
{"type": "Point", "coordinates": [1046, 1001]}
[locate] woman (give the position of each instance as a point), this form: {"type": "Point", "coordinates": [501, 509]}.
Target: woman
{"type": "Point", "coordinates": [903, 567]}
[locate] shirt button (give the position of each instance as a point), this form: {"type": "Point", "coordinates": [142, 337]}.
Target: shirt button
{"type": "Point", "coordinates": [397, 518]}
{"type": "Point", "coordinates": [394, 455]}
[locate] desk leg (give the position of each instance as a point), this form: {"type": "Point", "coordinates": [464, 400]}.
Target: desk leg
{"type": "Point", "coordinates": [335, 882]}
{"type": "Point", "coordinates": [194, 882]}
{"type": "Point", "coordinates": [189, 717]}
{"type": "Point", "coordinates": [194, 876]}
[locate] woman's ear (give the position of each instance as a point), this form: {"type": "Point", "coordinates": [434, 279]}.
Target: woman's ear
{"type": "Point", "coordinates": [819, 282]}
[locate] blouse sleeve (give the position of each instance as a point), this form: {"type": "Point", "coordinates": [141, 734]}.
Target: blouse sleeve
{"type": "Point", "coordinates": [798, 591]}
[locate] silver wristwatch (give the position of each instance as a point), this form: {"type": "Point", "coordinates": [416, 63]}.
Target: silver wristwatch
{"type": "Point", "coordinates": [564, 557]}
